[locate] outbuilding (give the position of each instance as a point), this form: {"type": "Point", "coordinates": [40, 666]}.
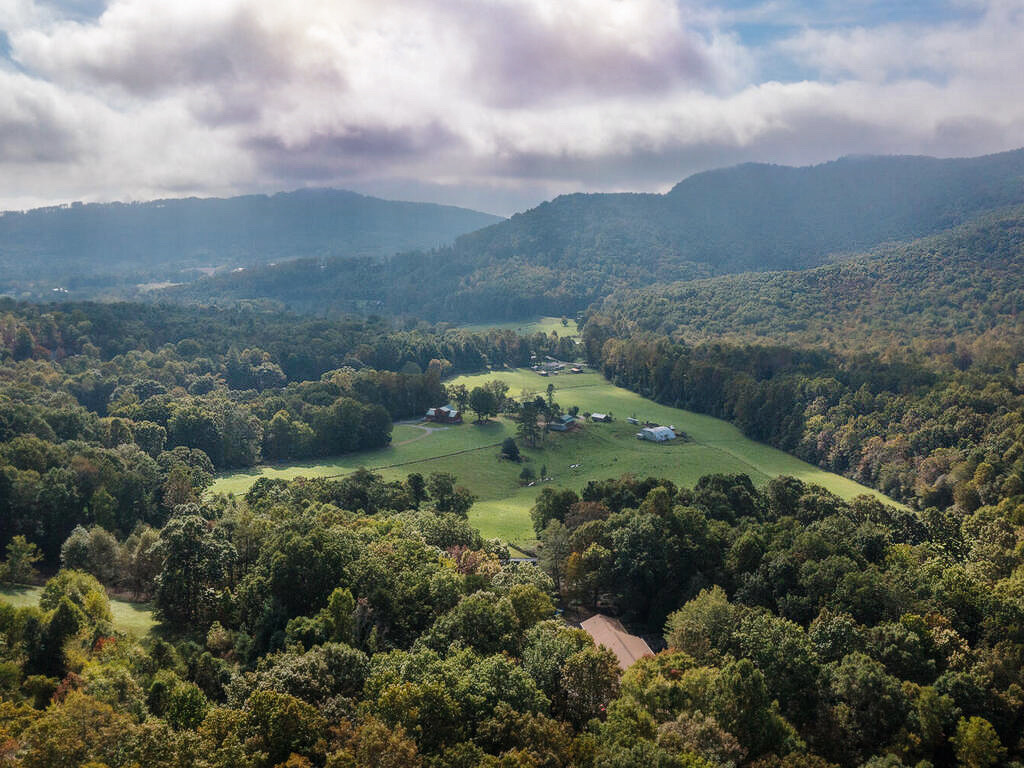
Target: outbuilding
{"type": "Point", "coordinates": [600, 417]}
{"type": "Point", "coordinates": [656, 434]}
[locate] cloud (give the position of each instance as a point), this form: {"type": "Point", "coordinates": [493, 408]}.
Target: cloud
{"type": "Point", "coordinates": [987, 50]}
{"type": "Point", "coordinates": [479, 102]}
{"type": "Point", "coordinates": [36, 124]}
{"type": "Point", "coordinates": [532, 53]}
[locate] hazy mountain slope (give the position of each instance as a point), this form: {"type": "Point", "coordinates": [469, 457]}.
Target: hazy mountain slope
{"type": "Point", "coordinates": [162, 237]}
{"type": "Point", "coordinates": [969, 281]}
{"type": "Point", "coordinates": [562, 255]}
{"type": "Point", "coordinates": [757, 216]}
{"type": "Point", "coordinates": [774, 217]}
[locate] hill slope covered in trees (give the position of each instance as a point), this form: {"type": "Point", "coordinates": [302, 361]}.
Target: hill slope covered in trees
{"type": "Point", "coordinates": [962, 284]}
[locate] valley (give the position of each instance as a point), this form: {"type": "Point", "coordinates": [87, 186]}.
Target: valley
{"type": "Point", "coordinates": [782, 476]}
{"type": "Point", "coordinates": [470, 452]}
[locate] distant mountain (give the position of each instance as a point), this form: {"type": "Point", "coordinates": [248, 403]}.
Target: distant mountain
{"type": "Point", "coordinates": [960, 284]}
{"type": "Point", "coordinates": [563, 255]}
{"type": "Point", "coordinates": [89, 247]}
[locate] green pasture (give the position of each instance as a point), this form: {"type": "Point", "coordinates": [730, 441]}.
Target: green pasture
{"type": "Point", "coordinates": [543, 325]}
{"type": "Point", "coordinates": [470, 452]}
{"type": "Point", "coordinates": [132, 618]}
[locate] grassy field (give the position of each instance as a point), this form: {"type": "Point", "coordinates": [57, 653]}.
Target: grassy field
{"type": "Point", "coordinates": [133, 618]}
{"type": "Point", "coordinates": [527, 327]}
{"type": "Point", "coordinates": [470, 452]}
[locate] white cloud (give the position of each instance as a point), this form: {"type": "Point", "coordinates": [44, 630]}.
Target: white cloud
{"type": "Point", "coordinates": [527, 96]}
{"type": "Point", "coordinates": [986, 50]}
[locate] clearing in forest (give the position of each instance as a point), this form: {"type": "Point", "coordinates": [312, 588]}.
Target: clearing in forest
{"type": "Point", "coordinates": [133, 618]}
{"type": "Point", "coordinates": [593, 452]}
{"type": "Point", "coordinates": [543, 325]}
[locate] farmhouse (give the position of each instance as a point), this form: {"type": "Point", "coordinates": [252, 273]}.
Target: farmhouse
{"type": "Point", "coordinates": [656, 434]}
{"type": "Point", "coordinates": [612, 635]}
{"type": "Point", "coordinates": [600, 417]}
{"type": "Point", "coordinates": [444, 415]}
{"type": "Point", "coordinates": [562, 423]}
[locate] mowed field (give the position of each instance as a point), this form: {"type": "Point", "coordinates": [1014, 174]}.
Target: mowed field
{"type": "Point", "coordinates": [543, 325]}
{"type": "Point", "coordinates": [470, 452]}
{"type": "Point", "coordinates": [132, 618]}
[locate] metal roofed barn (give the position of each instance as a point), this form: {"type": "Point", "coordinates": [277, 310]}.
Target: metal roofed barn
{"type": "Point", "coordinates": [656, 434]}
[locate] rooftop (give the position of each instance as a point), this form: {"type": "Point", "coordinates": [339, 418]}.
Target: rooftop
{"type": "Point", "coordinates": [612, 635]}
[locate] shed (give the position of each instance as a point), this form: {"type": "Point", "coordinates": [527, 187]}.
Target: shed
{"type": "Point", "coordinates": [612, 635]}
{"type": "Point", "coordinates": [656, 434]}
{"type": "Point", "coordinates": [600, 417]}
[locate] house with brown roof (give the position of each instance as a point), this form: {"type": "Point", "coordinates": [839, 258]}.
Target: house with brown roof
{"type": "Point", "coordinates": [612, 635]}
{"type": "Point", "coordinates": [444, 415]}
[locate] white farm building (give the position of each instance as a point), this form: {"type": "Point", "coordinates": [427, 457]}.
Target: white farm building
{"type": "Point", "coordinates": [656, 434]}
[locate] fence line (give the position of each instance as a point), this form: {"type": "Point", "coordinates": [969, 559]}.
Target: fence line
{"type": "Point", "coordinates": [413, 461]}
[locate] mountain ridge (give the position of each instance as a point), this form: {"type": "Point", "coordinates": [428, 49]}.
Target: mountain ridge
{"type": "Point", "coordinates": [563, 255]}
{"type": "Point", "coordinates": [103, 244]}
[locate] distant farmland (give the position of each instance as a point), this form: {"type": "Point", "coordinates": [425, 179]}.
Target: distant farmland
{"type": "Point", "coordinates": [470, 452]}
{"type": "Point", "coordinates": [132, 618]}
{"type": "Point", "coordinates": [543, 325]}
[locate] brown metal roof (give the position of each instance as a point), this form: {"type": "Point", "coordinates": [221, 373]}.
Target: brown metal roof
{"type": "Point", "coordinates": [612, 635]}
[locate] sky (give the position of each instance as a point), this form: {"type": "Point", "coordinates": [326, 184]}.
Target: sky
{"type": "Point", "coordinates": [489, 104]}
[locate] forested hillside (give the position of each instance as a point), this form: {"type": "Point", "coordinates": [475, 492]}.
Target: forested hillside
{"type": "Point", "coordinates": [95, 248]}
{"type": "Point", "coordinates": [561, 256]}
{"type": "Point", "coordinates": [929, 294]}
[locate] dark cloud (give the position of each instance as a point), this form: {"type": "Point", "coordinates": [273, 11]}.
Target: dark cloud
{"type": "Point", "coordinates": [149, 55]}
{"type": "Point", "coordinates": [521, 59]}
{"type": "Point", "coordinates": [350, 152]}
{"type": "Point", "coordinates": [33, 129]}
